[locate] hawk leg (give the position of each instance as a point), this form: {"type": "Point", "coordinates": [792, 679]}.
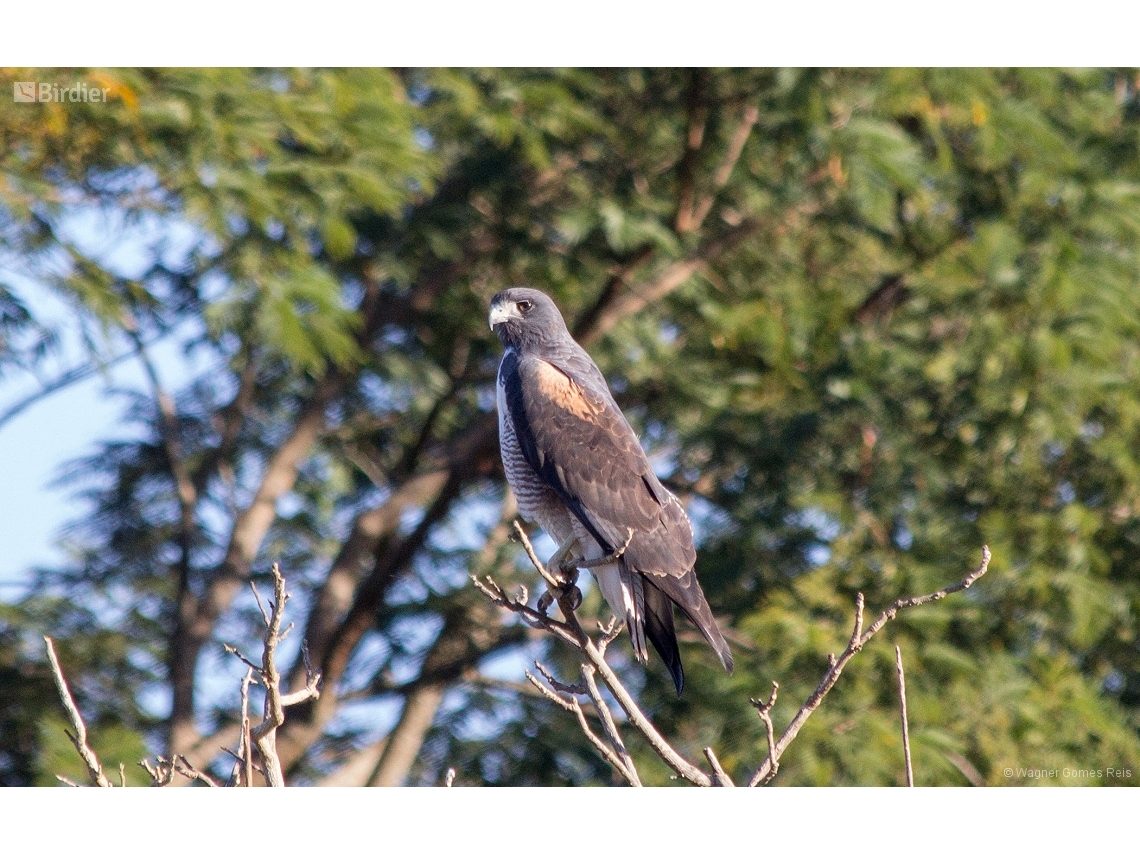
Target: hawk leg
{"type": "Point", "coordinates": [608, 559]}
{"type": "Point", "coordinates": [562, 565]}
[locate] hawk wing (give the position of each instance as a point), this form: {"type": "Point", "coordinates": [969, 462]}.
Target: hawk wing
{"type": "Point", "coordinates": [582, 447]}
{"type": "Point", "coordinates": [573, 434]}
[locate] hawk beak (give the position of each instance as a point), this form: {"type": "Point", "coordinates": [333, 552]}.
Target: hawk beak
{"type": "Point", "coordinates": [500, 313]}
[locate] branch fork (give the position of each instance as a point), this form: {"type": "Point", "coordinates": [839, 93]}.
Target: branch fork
{"type": "Point", "coordinates": [264, 735]}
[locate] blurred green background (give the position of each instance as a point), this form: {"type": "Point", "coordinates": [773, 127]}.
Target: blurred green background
{"type": "Point", "coordinates": [864, 321]}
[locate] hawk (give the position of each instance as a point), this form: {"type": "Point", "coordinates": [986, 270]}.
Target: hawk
{"type": "Point", "coordinates": [579, 472]}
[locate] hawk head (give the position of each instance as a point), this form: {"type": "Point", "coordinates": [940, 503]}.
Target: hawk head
{"type": "Point", "coordinates": [524, 317]}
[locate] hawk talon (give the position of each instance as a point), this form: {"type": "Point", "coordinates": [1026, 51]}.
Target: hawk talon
{"type": "Point", "coordinates": [545, 600]}
{"type": "Point", "coordinates": [568, 588]}
{"type": "Point", "coordinates": [575, 597]}
{"type": "Point", "coordinates": [548, 597]}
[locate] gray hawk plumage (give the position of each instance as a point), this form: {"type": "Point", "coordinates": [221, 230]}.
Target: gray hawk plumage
{"type": "Point", "coordinates": [579, 472]}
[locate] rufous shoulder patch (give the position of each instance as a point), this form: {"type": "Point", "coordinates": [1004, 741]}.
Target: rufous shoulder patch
{"type": "Point", "coordinates": [560, 390]}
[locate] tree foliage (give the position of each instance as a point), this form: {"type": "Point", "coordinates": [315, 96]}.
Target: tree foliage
{"type": "Point", "coordinates": [864, 321]}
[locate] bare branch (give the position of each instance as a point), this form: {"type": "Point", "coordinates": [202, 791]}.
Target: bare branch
{"type": "Point", "coordinates": [571, 632]}
{"type": "Point", "coordinates": [198, 616]}
{"type": "Point", "coordinates": [548, 694]}
{"type": "Point", "coordinates": [858, 640]}
{"type": "Point", "coordinates": [568, 688]}
{"type": "Point", "coordinates": [160, 774]}
{"type": "Point", "coordinates": [627, 767]}
{"type": "Point", "coordinates": [530, 553]}
{"type": "Point", "coordinates": [79, 738]}
{"type": "Point", "coordinates": [182, 766]}
{"type": "Point", "coordinates": [260, 605]}
{"type": "Point", "coordinates": [640, 721]}
{"type": "Point", "coordinates": [265, 734]}
{"type": "Point", "coordinates": [902, 714]}
{"type": "Point", "coordinates": [246, 746]}
{"type": "Point", "coordinates": [229, 648]}
{"type": "Point", "coordinates": [618, 761]}
{"type": "Point", "coordinates": [720, 777]}
{"type": "Point", "coordinates": [609, 632]}
{"type": "Point", "coordinates": [764, 708]}
{"type": "Point", "coordinates": [858, 630]}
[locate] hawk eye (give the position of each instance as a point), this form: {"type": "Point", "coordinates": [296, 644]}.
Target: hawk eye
{"type": "Point", "coordinates": [524, 305]}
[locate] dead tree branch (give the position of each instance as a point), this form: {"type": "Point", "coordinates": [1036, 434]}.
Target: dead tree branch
{"type": "Point", "coordinates": [764, 708]}
{"type": "Point", "coordinates": [243, 769]}
{"type": "Point", "coordinates": [571, 705]}
{"type": "Point", "coordinates": [79, 738]}
{"type": "Point", "coordinates": [162, 773]}
{"type": "Point", "coordinates": [569, 631]}
{"type": "Point", "coordinates": [859, 638]}
{"type": "Point", "coordinates": [264, 735]}
{"type": "Point", "coordinates": [902, 714]}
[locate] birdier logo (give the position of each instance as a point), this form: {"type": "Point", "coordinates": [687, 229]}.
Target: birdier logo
{"type": "Point", "coordinates": [29, 92]}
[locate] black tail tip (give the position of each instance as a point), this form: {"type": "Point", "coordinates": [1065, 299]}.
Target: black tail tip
{"type": "Point", "coordinates": [678, 675]}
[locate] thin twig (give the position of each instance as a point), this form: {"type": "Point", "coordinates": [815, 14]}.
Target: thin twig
{"type": "Point", "coordinates": [720, 777]}
{"type": "Point", "coordinates": [570, 631]}
{"type": "Point", "coordinates": [265, 734]}
{"type": "Point", "coordinates": [161, 774]}
{"type": "Point", "coordinates": [182, 766]}
{"type": "Point", "coordinates": [574, 707]}
{"type": "Point", "coordinates": [260, 605]}
{"type": "Point", "coordinates": [902, 714]}
{"type": "Point", "coordinates": [79, 738]}
{"type": "Point", "coordinates": [566, 688]}
{"type": "Point", "coordinates": [639, 720]}
{"type": "Point", "coordinates": [610, 727]}
{"type": "Point", "coordinates": [548, 693]}
{"type": "Point", "coordinates": [229, 648]}
{"type": "Point", "coordinates": [246, 747]}
{"type": "Point", "coordinates": [764, 709]}
{"type": "Point", "coordinates": [533, 556]}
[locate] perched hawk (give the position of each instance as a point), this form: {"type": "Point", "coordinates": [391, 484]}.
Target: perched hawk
{"type": "Point", "coordinates": [578, 471]}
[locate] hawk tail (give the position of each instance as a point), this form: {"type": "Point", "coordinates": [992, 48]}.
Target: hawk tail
{"type": "Point", "coordinates": [660, 631]}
